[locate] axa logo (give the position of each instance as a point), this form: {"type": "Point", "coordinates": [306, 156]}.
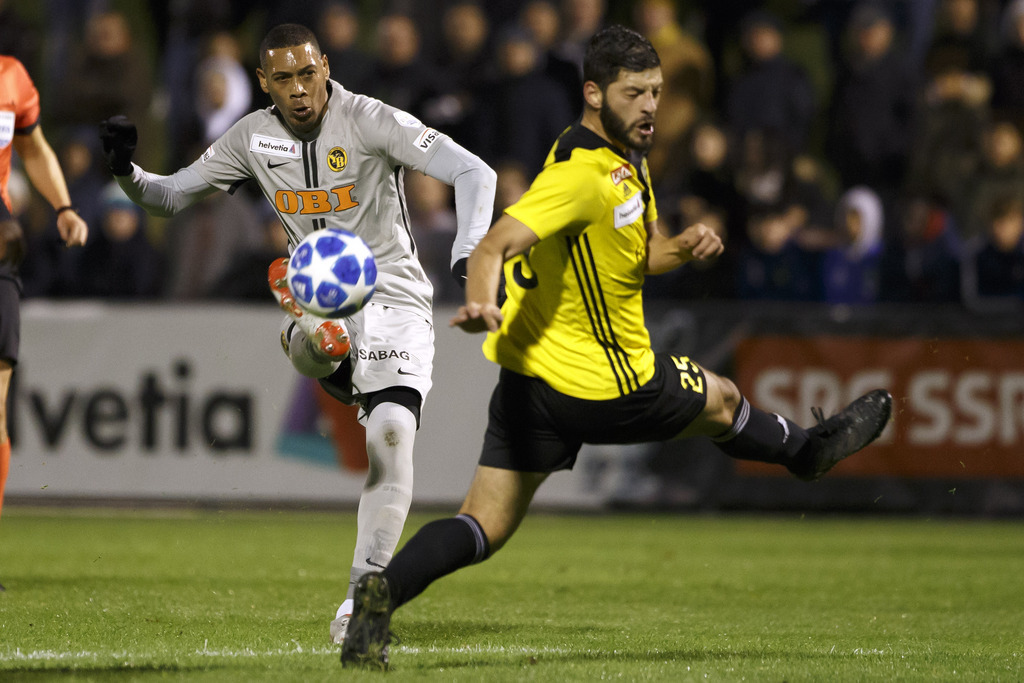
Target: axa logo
{"type": "Point", "coordinates": [315, 201]}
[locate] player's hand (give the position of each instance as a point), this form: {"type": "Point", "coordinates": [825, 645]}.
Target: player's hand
{"type": "Point", "coordinates": [12, 242]}
{"type": "Point", "coordinates": [700, 242]}
{"type": "Point", "coordinates": [475, 317]}
{"type": "Point", "coordinates": [73, 228]}
{"type": "Point", "coordinates": [119, 136]}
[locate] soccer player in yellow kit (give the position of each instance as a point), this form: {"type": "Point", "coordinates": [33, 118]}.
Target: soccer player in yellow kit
{"type": "Point", "coordinates": [576, 360]}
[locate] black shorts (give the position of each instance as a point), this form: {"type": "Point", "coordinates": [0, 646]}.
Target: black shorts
{"type": "Point", "coordinates": [533, 428]}
{"type": "Point", "coordinates": [10, 317]}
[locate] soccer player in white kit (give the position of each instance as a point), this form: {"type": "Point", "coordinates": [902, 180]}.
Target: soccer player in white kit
{"type": "Point", "coordinates": [325, 157]}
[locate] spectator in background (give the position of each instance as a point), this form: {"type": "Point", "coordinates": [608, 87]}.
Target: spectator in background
{"type": "Point", "coordinates": [698, 280]}
{"type": "Point", "coordinates": [400, 76]}
{"type": "Point", "coordinates": [186, 27]}
{"type": "Point", "coordinates": [962, 37]}
{"type": "Point", "coordinates": [512, 182]}
{"type": "Point", "coordinates": [947, 141]}
{"type": "Point", "coordinates": [993, 270]}
{"type": "Point", "coordinates": [710, 179]}
{"type": "Point", "coordinates": [851, 270]}
{"type": "Point", "coordinates": [769, 176]}
{"type": "Point", "coordinates": [338, 28]}
{"type": "Point", "coordinates": [17, 38]}
{"type": "Point", "coordinates": [872, 106]}
{"type": "Point", "coordinates": [771, 92]}
{"type": "Point", "coordinates": [465, 64]}
{"type": "Point", "coordinates": [120, 262]}
{"type": "Point", "coordinates": [204, 239]}
{"type": "Point", "coordinates": [223, 94]}
{"type": "Point", "coordinates": [772, 265]}
{"type": "Point", "coordinates": [542, 19]}
{"type": "Point", "coordinates": [923, 266]}
{"type": "Point", "coordinates": [244, 277]}
{"type": "Point", "coordinates": [999, 176]}
{"type": "Point", "coordinates": [50, 269]}
{"type": "Point", "coordinates": [107, 75]}
{"type": "Point", "coordinates": [688, 84]}
{"type": "Point", "coordinates": [581, 19]}
{"type": "Point", "coordinates": [432, 218]}
{"type": "Point", "coordinates": [522, 112]}
{"type": "Point", "coordinates": [1007, 68]}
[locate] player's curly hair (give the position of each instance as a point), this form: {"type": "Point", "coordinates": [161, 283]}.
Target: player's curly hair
{"type": "Point", "coordinates": [286, 35]}
{"type": "Point", "coordinates": [616, 48]}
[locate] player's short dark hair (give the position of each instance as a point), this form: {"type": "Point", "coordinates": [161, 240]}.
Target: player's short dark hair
{"type": "Point", "coordinates": [614, 49]}
{"type": "Point", "coordinates": [286, 35]}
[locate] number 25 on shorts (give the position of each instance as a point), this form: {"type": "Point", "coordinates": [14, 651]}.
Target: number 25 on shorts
{"type": "Point", "coordinates": [690, 375]}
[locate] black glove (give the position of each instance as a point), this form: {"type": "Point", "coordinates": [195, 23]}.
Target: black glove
{"type": "Point", "coordinates": [12, 242]}
{"type": "Point", "coordinates": [459, 272]}
{"type": "Point", "coordinates": [119, 137]}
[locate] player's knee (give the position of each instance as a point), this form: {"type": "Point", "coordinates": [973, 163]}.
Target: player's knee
{"type": "Point", "coordinates": [723, 400]}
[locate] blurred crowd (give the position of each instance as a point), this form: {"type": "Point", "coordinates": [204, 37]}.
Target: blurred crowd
{"type": "Point", "coordinates": [848, 151]}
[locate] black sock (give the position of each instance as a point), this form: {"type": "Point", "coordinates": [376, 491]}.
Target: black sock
{"type": "Point", "coordinates": [761, 436]}
{"type": "Point", "coordinates": [439, 548]}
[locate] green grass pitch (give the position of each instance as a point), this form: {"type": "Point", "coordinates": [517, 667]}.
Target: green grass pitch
{"type": "Point", "coordinates": [98, 595]}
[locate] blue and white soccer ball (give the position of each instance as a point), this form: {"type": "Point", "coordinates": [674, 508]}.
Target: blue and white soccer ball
{"type": "Point", "coordinates": [332, 273]}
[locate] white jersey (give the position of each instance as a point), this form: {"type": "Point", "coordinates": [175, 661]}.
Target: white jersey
{"type": "Point", "coordinates": [350, 176]}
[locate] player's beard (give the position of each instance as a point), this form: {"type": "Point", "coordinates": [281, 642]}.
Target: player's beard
{"type": "Point", "coordinates": [615, 127]}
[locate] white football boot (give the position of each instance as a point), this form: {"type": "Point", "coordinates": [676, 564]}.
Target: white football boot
{"type": "Point", "coordinates": [339, 627]}
{"type": "Point", "coordinates": [327, 338]}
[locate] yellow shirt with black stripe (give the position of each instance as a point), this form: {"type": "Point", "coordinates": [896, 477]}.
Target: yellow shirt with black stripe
{"type": "Point", "coordinates": [574, 313]}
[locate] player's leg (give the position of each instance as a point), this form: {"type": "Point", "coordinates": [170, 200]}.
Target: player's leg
{"type": "Point", "coordinates": [10, 341]}
{"type": "Point", "coordinates": [387, 492]}
{"type": "Point", "coordinates": [493, 509]}
{"type": "Point", "coordinates": [522, 445]}
{"type": "Point", "coordinates": [745, 432]}
{"type": "Point", "coordinates": [391, 375]}
{"type": "Point", "coordinates": [5, 441]}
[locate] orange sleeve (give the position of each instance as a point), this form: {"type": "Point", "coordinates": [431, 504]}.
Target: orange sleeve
{"type": "Point", "coordinates": [26, 97]}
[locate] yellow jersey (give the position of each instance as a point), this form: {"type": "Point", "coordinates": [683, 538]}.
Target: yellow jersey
{"type": "Point", "coordinates": [574, 312]}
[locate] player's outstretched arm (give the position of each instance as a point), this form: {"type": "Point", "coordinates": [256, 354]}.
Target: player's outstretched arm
{"type": "Point", "coordinates": [506, 239]}
{"type": "Point", "coordinates": [697, 242]}
{"type": "Point", "coordinates": [474, 183]}
{"type": "Point", "coordinates": [159, 195]}
{"type": "Point", "coordinates": [43, 169]}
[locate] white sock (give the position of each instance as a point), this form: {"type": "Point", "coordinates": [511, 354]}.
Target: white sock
{"type": "Point", "coordinates": [387, 493]}
{"type": "Point", "coordinates": [302, 355]}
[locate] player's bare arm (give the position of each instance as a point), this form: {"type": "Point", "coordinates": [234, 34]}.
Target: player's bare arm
{"type": "Point", "coordinates": [44, 171]}
{"type": "Point", "coordinates": [697, 242]}
{"type": "Point", "coordinates": [507, 238]}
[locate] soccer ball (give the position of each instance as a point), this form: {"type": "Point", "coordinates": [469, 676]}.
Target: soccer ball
{"type": "Point", "coordinates": [332, 273]}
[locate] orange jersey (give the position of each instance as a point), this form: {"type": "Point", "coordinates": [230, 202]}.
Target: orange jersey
{"type": "Point", "coordinates": [19, 113]}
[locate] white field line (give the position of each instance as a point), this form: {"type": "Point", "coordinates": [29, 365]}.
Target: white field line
{"type": "Point", "coordinates": [123, 655]}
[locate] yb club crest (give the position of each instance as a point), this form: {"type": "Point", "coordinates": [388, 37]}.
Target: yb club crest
{"type": "Point", "coordinates": [337, 159]}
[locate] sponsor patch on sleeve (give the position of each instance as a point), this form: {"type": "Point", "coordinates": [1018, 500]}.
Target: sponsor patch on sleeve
{"type": "Point", "coordinates": [426, 139]}
{"type": "Point", "coordinates": [6, 128]}
{"type": "Point", "coordinates": [627, 212]}
{"type": "Point", "coordinates": [621, 173]}
{"type": "Point", "coordinates": [407, 120]}
{"type": "Point", "coordinates": [207, 155]}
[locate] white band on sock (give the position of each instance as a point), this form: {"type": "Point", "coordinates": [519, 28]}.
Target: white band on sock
{"type": "Point", "coordinates": [738, 423]}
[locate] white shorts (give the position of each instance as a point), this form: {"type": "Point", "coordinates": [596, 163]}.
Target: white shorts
{"type": "Point", "coordinates": [390, 347]}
